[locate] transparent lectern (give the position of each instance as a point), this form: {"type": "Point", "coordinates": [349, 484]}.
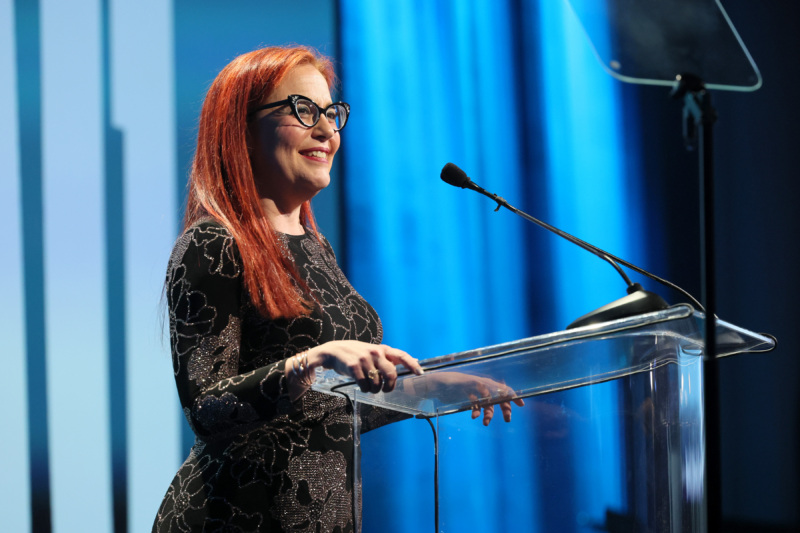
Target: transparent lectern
{"type": "Point", "coordinates": [613, 427]}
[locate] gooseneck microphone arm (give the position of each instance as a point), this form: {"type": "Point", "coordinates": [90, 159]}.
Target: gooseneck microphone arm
{"type": "Point", "coordinates": [501, 202]}
{"type": "Point", "coordinates": [456, 177]}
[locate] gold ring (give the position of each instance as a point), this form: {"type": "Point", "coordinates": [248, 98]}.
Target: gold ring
{"type": "Point", "coordinates": [372, 374]}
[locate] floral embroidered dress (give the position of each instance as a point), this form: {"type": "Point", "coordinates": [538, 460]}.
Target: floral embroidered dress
{"type": "Point", "coordinates": [260, 461]}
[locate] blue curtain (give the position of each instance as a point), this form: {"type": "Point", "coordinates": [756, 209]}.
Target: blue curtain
{"type": "Point", "coordinates": [509, 91]}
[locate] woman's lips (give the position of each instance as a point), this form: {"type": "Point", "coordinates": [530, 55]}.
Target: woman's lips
{"type": "Point", "coordinates": [317, 155]}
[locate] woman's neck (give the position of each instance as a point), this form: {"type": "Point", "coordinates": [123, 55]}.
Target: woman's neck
{"type": "Point", "coordinates": [282, 219]}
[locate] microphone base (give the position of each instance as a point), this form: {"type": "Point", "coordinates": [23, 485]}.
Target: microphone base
{"type": "Point", "coordinates": [638, 302]}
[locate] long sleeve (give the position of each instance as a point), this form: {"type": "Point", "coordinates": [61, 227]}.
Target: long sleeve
{"type": "Point", "coordinates": [205, 296]}
{"type": "Point", "coordinates": [261, 462]}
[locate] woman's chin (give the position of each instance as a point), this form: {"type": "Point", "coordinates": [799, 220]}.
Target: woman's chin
{"type": "Point", "coordinates": [317, 183]}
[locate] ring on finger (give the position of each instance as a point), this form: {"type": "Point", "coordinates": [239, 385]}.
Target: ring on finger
{"type": "Point", "coordinates": [373, 374]}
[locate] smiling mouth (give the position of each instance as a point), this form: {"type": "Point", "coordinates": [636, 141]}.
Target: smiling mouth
{"type": "Point", "coordinates": [316, 154]}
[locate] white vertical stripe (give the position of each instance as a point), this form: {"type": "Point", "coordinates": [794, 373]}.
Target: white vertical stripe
{"type": "Point", "coordinates": [77, 383]}
{"type": "Point", "coordinates": [143, 107]}
{"type": "Point", "coordinates": [14, 459]}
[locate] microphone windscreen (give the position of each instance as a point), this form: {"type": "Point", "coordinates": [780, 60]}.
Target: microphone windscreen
{"type": "Point", "coordinates": [454, 176]}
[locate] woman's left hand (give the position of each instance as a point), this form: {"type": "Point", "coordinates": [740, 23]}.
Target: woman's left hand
{"type": "Point", "coordinates": [485, 393]}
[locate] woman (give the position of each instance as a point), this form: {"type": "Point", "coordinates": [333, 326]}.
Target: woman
{"type": "Point", "coordinates": [257, 303]}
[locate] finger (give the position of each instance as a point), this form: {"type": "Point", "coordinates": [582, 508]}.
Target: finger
{"type": "Point", "coordinates": [509, 393]}
{"type": "Point", "coordinates": [399, 357]}
{"type": "Point", "coordinates": [365, 385]}
{"type": "Point", "coordinates": [488, 414]}
{"type": "Point", "coordinates": [388, 373]}
{"type": "Point", "coordinates": [358, 374]}
{"type": "Point", "coordinates": [506, 408]}
{"type": "Point", "coordinates": [476, 409]}
{"type": "Point", "coordinates": [506, 392]}
{"type": "Point", "coordinates": [374, 379]}
{"type": "Point", "coordinates": [389, 382]}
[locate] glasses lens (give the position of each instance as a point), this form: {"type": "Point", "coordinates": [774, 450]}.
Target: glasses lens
{"type": "Point", "coordinates": [307, 112]}
{"type": "Point", "coordinates": [337, 115]}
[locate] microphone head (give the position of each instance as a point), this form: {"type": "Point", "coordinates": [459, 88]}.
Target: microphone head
{"type": "Point", "coordinates": [454, 176]}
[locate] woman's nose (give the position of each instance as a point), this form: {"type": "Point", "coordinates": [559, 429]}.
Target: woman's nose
{"type": "Point", "coordinates": [323, 128]}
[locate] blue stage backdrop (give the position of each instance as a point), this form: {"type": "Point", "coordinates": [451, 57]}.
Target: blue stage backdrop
{"type": "Point", "coordinates": [511, 92]}
{"type": "Point", "coordinates": [98, 105]}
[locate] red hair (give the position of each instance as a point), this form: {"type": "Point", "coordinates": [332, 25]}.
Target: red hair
{"type": "Point", "coordinates": [221, 183]}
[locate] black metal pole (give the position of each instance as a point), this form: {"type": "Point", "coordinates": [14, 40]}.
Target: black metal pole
{"type": "Point", "coordinates": [709, 294]}
{"type": "Point", "coordinates": [699, 117]}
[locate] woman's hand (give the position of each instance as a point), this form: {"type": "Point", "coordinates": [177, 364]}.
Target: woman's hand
{"type": "Point", "coordinates": [484, 393]}
{"type": "Point", "coordinates": [371, 365]}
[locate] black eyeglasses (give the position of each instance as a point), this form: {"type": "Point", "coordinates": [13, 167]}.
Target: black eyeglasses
{"type": "Point", "coordinates": [308, 112]}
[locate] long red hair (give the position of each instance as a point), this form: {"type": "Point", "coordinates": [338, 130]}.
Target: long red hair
{"type": "Point", "coordinates": [222, 186]}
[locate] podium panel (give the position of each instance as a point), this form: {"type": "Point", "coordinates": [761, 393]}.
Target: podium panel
{"type": "Point", "coordinates": [611, 437]}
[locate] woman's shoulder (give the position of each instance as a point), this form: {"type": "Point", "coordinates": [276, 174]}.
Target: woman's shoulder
{"type": "Point", "coordinates": [206, 225]}
{"type": "Point", "coordinates": [209, 245]}
{"type": "Point", "coordinates": [314, 235]}
{"type": "Point", "coordinates": [208, 231]}
{"type": "Point", "coordinates": [327, 245]}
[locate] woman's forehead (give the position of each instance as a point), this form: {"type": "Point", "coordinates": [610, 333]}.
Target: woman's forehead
{"type": "Point", "coordinates": [305, 80]}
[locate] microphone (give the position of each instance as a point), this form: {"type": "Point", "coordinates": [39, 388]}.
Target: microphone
{"type": "Point", "coordinates": [637, 301]}
{"type": "Point", "coordinates": [456, 177]}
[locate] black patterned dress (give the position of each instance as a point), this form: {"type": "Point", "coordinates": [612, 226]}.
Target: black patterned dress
{"type": "Point", "coordinates": [260, 462]}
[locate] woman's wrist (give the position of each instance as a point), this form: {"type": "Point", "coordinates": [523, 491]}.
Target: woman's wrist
{"type": "Point", "coordinates": [302, 366]}
{"type": "Point", "coordinates": [316, 358]}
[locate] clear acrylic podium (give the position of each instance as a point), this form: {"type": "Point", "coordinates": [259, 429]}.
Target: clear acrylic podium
{"type": "Point", "coordinates": [612, 427]}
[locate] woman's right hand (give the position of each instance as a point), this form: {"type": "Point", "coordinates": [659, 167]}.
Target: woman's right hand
{"type": "Point", "coordinates": [371, 365]}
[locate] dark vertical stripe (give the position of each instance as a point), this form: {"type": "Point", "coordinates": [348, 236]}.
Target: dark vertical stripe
{"type": "Point", "coordinates": [185, 140]}
{"type": "Point", "coordinates": [341, 196]}
{"type": "Point", "coordinates": [524, 19]}
{"type": "Point", "coordinates": [115, 287]}
{"type": "Point", "coordinates": [115, 303]}
{"type": "Point", "coordinates": [28, 64]}
{"type": "Point", "coordinates": [714, 486]}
